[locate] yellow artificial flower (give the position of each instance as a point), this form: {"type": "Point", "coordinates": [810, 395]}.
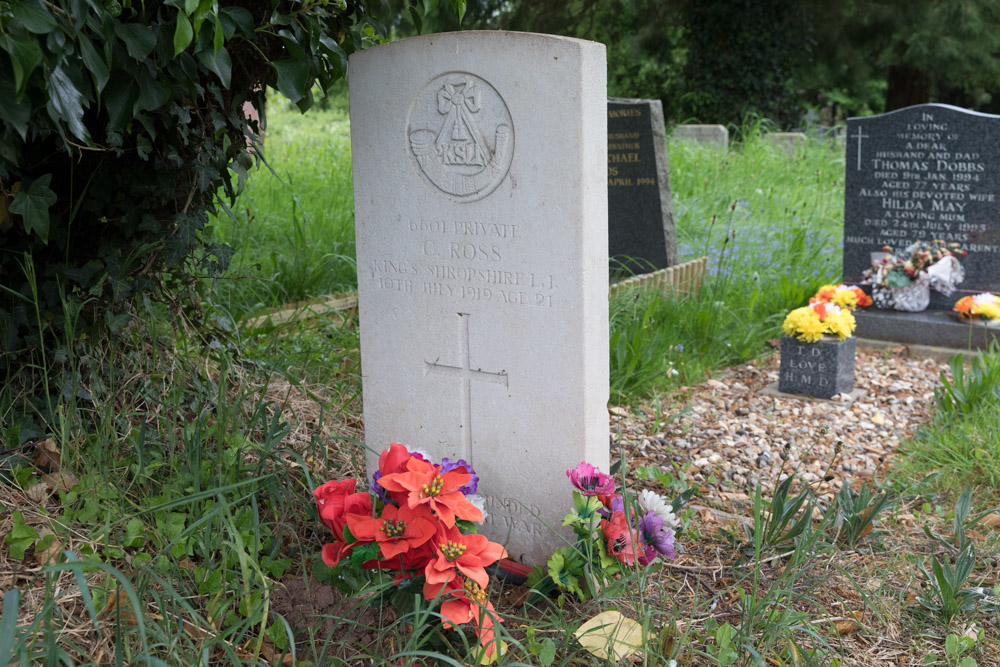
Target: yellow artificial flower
{"type": "Point", "coordinates": [990, 310]}
{"type": "Point", "coordinates": [841, 324]}
{"type": "Point", "coordinates": [804, 324]}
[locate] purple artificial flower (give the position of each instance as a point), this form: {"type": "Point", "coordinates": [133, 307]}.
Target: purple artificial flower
{"type": "Point", "coordinates": [655, 537]}
{"type": "Point", "coordinates": [591, 481]}
{"type": "Point", "coordinates": [378, 490]}
{"type": "Point", "coordinates": [473, 485]}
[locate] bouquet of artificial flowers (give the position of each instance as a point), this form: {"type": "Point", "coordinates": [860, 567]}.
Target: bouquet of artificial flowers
{"type": "Point", "coordinates": [418, 519]}
{"type": "Point", "coordinates": [812, 322]}
{"type": "Point", "coordinates": [844, 296]}
{"type": "Point", "coordinates": [612, 532]}
{"type": "Point", "coordinates": [903, 282]}
{"type": "Point", "coordinates": [985, 306]}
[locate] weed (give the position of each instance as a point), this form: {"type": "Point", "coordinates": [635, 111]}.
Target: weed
{"type": "Point", "coordinates": [780, 527]}
{"type": "Point", "coordinates": [963, 393]}
{"type": "Point", "coordinates": [857, 512]}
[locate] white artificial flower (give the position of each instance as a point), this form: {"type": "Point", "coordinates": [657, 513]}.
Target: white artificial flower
{"type": "Point", "coordinates": [480, 503]}
{"type": "Point", "coordinates": [657, 504]}
{"type": "Point", "coordinates": [985, 297]}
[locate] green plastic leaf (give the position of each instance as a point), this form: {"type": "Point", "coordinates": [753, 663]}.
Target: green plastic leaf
{"type": "Point", "coordinates": [67, 101]}
{"type": "Point", "coordinates": [94, 62]}
{"type": "Point", "coordinates": [32, 204]}
{"type": "Point", "coordinates": [140, 40]}
{"type": "Point", "coordinates": [33, 15]}
{"type": "Point", "coordinates": [25, 55]}
{"type": "Point", "coordinates": [183, 33]}
{"type": "Point", "coordinates": [293, 78]}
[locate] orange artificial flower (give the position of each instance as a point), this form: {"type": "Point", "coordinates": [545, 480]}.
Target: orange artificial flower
{"type": "Point", "coordinates": [424, 484]}
{"type": "Point", "coordinates": [466, 602]}
{"type": "Point", "coordinates": [466, 554]}
{"type": "Point", "coordinates": [398, 530]}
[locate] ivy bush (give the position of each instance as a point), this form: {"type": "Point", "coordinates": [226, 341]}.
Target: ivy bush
{"type": "Point", "coordinates": [122, 126]}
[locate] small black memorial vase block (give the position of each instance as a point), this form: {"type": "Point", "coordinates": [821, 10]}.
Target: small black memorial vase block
{"type": "Point", "coordinates": [822, 369]}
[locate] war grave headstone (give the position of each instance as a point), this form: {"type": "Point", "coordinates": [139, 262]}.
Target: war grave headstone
{"type": "Point", "coordinates": [790, 142]}
{"type": "Point", "coordinates": [480, 178]}
{"type": "Point", "coordinates": [641, 233]}
{"type": "Point", "coordinates": [711, 135]}
{"type": "Point", "coordinates": [925, 172]}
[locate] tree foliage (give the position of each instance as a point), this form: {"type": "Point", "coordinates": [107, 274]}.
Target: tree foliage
{"type": "Point", "coordinates": [123, 125]}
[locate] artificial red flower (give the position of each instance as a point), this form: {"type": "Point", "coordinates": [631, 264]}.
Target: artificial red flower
{"type": "Point", "coordinates": [334, 551]}
{"type": "Point", "coordinates": [335, 500]}
{"type": "Point", "coordinates": [622, 540]}
{"type": "Point", "coordinates": [425, 484]}
{"type": "Point", "coordinates": [466, 554]}
{"type": "Point", "coordinates": [398, 530]}
{"type": "Point", "coordinates": [466, 602]}
{"type": "Point", "coordinates": [394, 459]}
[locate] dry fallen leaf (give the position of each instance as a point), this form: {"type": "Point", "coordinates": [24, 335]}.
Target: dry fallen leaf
{"type": "Point", "coordinates": [49, 554]}
{"type": "Point", "coordinates": [846, 626]}
{"type": "Point", "coordinates": [706, 516]}
{"type": "Point", "coordinates": [47, 455]}
{"type": "Point", "coordinates": [59, 481]}
{"type": "Point", "coordinates": [38, 493]}
{"type": "Point", "coordinates": [991, 520]}
{"type": "Point", "coordinates": [118, 603]}
{"type": "Point", "coordinates": [609, 633]}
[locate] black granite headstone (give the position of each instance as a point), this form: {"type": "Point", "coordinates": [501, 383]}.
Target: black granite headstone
{"type": "Point", "coordinates": [822, 369]}
{"type": "Point", "coordinates": [921, 173]}
{"type": "Point", "coordinates": [641, 234]}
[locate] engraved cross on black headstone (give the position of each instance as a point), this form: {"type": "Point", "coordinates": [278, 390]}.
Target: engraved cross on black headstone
{"type": "Point", "coordinates": [467, 374]}
{"type": "Point", "coordinates": [859, 136]}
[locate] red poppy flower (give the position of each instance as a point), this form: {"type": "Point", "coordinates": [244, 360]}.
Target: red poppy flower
{"type": "Point", "coordinates": [621, 538]}
{"type": "Point", "coordinates": [425, 484]}
{"type": "Point", "coordinates": [467, 554]}
{"type": "Point", "coordinates": [398, 530]}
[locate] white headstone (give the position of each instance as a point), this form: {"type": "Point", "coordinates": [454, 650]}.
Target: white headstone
{"type": "Point", "coordinates": [791, 142]}
{"type": "Point", "coordinates": [716, 136]}
{"type": "Point", "coordinates": [480, 181]}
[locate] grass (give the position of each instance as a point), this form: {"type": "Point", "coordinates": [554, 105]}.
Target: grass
{"type": "Point", "coordinates": [159, 510]}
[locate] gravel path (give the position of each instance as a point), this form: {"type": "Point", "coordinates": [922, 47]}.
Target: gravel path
{"type": "Point", "coordinates": [733, 437]}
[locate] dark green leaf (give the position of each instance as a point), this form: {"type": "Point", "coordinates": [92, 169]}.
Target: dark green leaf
{"type": "Point", "coordinates": [8, 625]}
{"type": "Point", "coordinates": [219, 62]}
{"type": "Point", "coordinates": [153, 94]}
{"type": "Point", "coordinates": [94, 62]}
{"type": "Point", "coordinates": [418, 22]}
{"type": "Point", "coordinates": [32, 204]}
{"type": "Point", "coordinates": [219, 38]}
{"type": "Point", "coordinates": [190, 6]}
{"type": "Point", "coordinates": [33, 15]}
{"type": "Point", "coordinates": [293, 78]}
{"type": "Point", "coordinates": [183, 33]}
{"type": "Point", "coordinates": [139, 39]}
{"type": "Point", "coordinates": [25, 55]}
{"type": "Point", "coordinates": [66, 100]}
{"type": "Point", "coordinates": [119, 98]}
{"type": "Point", "coordinates": [459, 7]}
{"type": "Point", "coordinates": [239, 18]}
{"type": "Point", "coordinates": [11, 111]}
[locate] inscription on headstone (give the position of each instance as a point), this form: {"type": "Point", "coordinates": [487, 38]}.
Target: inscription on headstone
{"type": "Point", "coordinates": [822, 369]}
{"type": "Point", "coordinates": [925, 172]}
{"type": "Point", "coordinates": [641, 234]}
{"type": "Point", "coordinates": [481, 225]}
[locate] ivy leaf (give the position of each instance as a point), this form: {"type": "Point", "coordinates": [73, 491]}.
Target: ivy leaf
{"type": "Point", "coordinates": [66, 101]}
{"type": "Point", "coordinates": [33, 16]}
{"type": "Point", "coordinates": [94, 62]}
{"type": "Point", "coordinates": [139, 39]}
{"type": "Point", "coordinates": [11, 111]}
{"type": "Point", "coordinates": [293, 78]}
{"type": "Point", "coordinates": [183, 33]}
{"type": "Point", "coordinates": [32, 204]}
{"type": "Point", "coordinates": [25, 55]}
{"type": "Point", "coordinates": [153, 94]}
{"type": "Point", "coordinates": [220, 63]}
{"type": "Point", "coordinates": [240, 18]}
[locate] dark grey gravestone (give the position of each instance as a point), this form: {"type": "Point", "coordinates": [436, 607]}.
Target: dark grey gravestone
{"type": "Point", "coordinates": [925, 172]}
{"type": "Point", "coordinates": [641, 233]}
{"type": "Point", "coordinates": [822, 369]}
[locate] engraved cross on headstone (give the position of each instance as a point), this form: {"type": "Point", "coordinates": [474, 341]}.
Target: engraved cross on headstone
{"type": "Point", "coordinates": [467, 374]}
{"type": "Point", "coordinates": [859, 136]}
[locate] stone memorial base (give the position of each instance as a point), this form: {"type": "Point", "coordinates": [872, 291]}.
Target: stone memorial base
{"type": "Point", "coordinates": [822, 369]}
{"type": "Point", "coordinates": [931, 327]}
